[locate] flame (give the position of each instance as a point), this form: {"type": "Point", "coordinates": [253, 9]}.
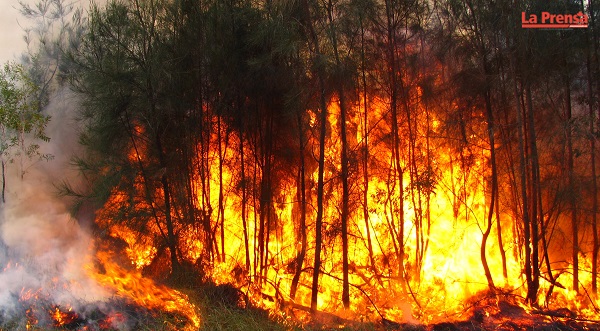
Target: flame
{"type": "Point", "coordinates": [143, 291]}
{"type": "Point", "coordinates": [43, 308]}
{"type": "Point", "coordinates": [61, 317]}
{"type": "Point", "coordinates": [445, 204]}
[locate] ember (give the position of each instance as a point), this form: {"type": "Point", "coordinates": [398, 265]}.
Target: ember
{"type": "Point", "coordinates": [63, 318]}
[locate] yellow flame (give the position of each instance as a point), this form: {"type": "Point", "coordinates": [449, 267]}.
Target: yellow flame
{"type": "Point", "coordinates": [143, 291]}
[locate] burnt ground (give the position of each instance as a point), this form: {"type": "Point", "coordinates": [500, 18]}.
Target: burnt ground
{"type": "Point", "coordinates": [488, 311]}
{"type": "Point", "coordinates": [507, 316]}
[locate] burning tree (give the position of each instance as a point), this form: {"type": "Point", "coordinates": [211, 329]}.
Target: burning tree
{"type": "Point", "coordinates": [359, 156]}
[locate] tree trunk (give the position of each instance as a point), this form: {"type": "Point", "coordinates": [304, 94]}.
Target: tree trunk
{"type": "Point", "coordinates": [365, 138]}
{"type": "Point", "coordinates": [344, 161]}
{"type": "Point", "coordinates": [494, 193]}
{"type": "Point", "coordinates": [243, 188]}
{"type": "Point", "coordinates": [345, 206]}
{"type": "Point", "coordinates": [3, 166]}
{"type": "Point", "coordinates": [592, 135]}
{"type": "Point", "coordinates": [320, 198]}
{"type": "Point", "coordinates": [531, 289]}
{"type": "Point", "coordinates": [535, 197]}
{"type": "Point", "coordinates": [573, 195]}
{"type": "Point", "coordinates": [302, 199]}
{"type": "Point", "coordinates": [172, 240]}
{"type": "Point", "coordinates": [221, 212]}
{"type": "Point", "coordinates": [315, 54]}
{"type": "Point", "coordinates": [593, 62]}
{"type": "Point", "coordinates": [3, 180]}
{"type": "Point", "coordinates": [399, 172]}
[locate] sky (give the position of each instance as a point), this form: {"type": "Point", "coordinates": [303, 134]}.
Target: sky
{"type": "Point", "coordinates": [12, 23]}
{"type": "Point", "coordinates": [11, 34]}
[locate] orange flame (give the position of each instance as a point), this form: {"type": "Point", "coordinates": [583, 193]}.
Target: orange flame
{"type": "Point", "coordinates": [143, 291]}
{"type": "Point", "coordinates": [445, 203]}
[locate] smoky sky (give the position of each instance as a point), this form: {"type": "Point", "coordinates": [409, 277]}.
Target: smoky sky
{"type": "Point", "coordinates": [11, 35]}
{"type": "Point", "coordinates": [12, 25]}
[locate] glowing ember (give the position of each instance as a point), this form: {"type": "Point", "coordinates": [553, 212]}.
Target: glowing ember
{"type": "Point", "coordinates": [62, 318]}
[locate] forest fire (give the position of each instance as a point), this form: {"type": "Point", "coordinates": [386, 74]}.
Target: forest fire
{"type": "Point", "coordinates": [446, 205]}
{"type": "Point", "coordinates": [426, 164]}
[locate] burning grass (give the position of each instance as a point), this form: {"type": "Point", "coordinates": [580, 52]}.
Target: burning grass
{"type": "Point", "coordinates": [489, 312]}
{"type": "Point", "coordinates": [129, 301]}
{"type": "Point", "coordinates": [116, 314]}
{"type": "Point", "coordinates": [224, 307]}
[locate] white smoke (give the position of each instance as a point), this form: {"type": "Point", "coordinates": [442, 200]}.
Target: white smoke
{"type": "Point", "coordinates": [43, 250]}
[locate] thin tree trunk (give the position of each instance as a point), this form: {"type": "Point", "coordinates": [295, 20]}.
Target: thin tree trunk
{"type": "Point", "coordinates": [535, 197]}
{"type": "Point", "coordinates": [590, 67]}
{"type": "Point", "coordinates": [3, 166]}
{"type": "Point", "coordinates": [171, 238]}
{"type": "Point", "coordinates": [494, 193]}
{"type": "Point", "coordinates": [320, 198]}
{"type": "Point", "coordinates": [345, 206]}
{"type": "Point", "coordinates": [399, 172]}
{"type": "Point", "coordinates": [126, 121]}
{"type": "Point", "coordinates": [531, 290]}
{"type": "Point", "coordinates": [221, 212]}
{"type": "Point", "coordinates": [3, 180]}
{"type": "Point", "coordinates": [572, 199]}
{"type": "Point", "coordinates": [344, 164]}
{"type": "Point", "coordinates": [302, 199]}
{"type": "Point", "coordinates": [243, 188]}
{"type": "Point", "coordinates": [316, 52]}
{"type": "Point", "coordinates": [266, 202]}
{"type": "Point", "coordinates": [592, 135]}
{"type": "Point", "coordinates": [504, 98]}
{"type": "Point", "coordinates": [365, 137]}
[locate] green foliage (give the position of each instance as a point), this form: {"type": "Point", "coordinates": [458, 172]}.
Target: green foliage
{"type": "Point", "coordinates": [20, 115]}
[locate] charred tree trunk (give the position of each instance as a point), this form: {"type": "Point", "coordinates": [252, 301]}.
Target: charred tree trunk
{"type": "Point", "coordinates": [399, 172]}
{"type": "Point", "coordinates": [171, 238]}
{"type": "Point", "coordinates": [266, 192]}
{"type": "Point", "coordinates": [343, 159]}
{"type": "Point", "coordinates": [593, 64]}
{"type": "Point", "coordinates": [494, 193]}
{"type": "Point", "coordinates": [480, 42]}
{"type": "Point", "coordinates": [302, 199]}
{"type": "Point", "coordinates": [531, 288]}
{"type": "Point", "coordinates": [320, 198]}
{"type": "Point", "coordinates": [504, 90]}
{"type": "Point", "coordinates": [315, 57]}
{"type": "Point", "coordinates": [243, 188]}
{"type": "Point", "coordinates": [571, 178]}
{"type": "Point", "coordinates": [592, 137]}
{"type": "Point", "coordinates": [365, 141]}
{"type": "Point", "coordinates": [537, 213]}
{"type": "Point", "coordinates": [345, 207]}
{"type": "Point", "coordinates": [535, 204]}
{"type": "Point", "coordinates": [221, 212]}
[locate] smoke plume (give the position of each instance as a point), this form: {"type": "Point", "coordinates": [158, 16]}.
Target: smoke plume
{"type": "Point", "coordinates": [44, 252]}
